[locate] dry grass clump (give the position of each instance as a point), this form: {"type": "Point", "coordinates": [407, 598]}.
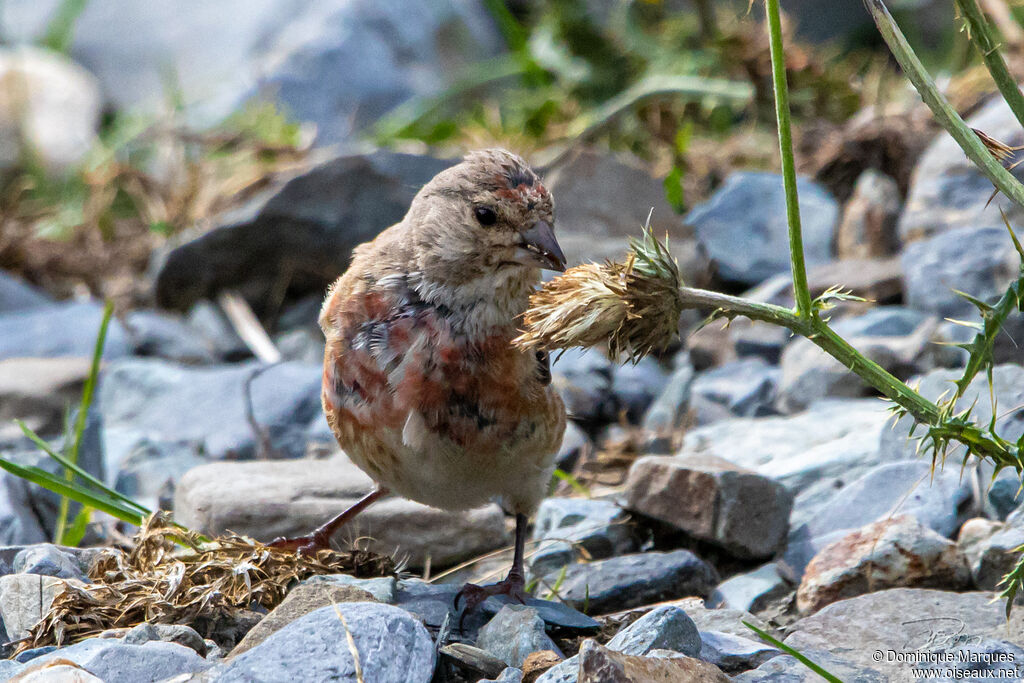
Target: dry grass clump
{"type": "Point", "coordinates": [161, 582]}
{"type": "Point", "coordinates": [633, 307]}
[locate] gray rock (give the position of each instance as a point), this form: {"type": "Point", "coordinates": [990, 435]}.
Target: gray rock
{"type": "Point", "coordinates": [663, 628]}
{"type": "Point", "coordinates": [57, 130]}
{"type": "Point", "coordinates": [383, 589]}
{"type": "Point", "coordinates": [938, 502]}
{"type": "Point", "coordinates": [113, 661]}
{"type": "Point", "coordinates": [743, 388]}
{"type": "Point", "coordinates": [787, 669]}
{"type": "Point", "coordinates": [156, 401]}
{"type": "Point", "coordinates": [64, 329]}
{"type": "Point", "coordinates": [904, 620]}
{"type": "Point", "coordinates": [868, 227]}
{"type": "Point", "coordinates": [667, 411]}
{"type": "Point", "coordinates": [514, 633]}
{"type": "Point", "coordinates": [754, 590]}
{"type": "Point", "coordinates": [934, 267]}
{"type": "Point", "coordinates": [574, 443]}
{"type": "Point", "coordinates": [831, 439]}
{"type": "Point", "coordinates": [303, 345]}
{"type": "Point", "coordinates": [168, 633]}
{"type": "Point", "coordinates": [216, 331]}
{"type": "Point", "coordinates": [38, 392]}
{"type": "Point", "coordinates": [509, 675]}
{"type": "Point", "coordinates": [733, 654]}
{"type": "Point", "coordinates": [948, 191]}
{"type": "Point", "coordinates": [996, 555]}
{"type": "Point", "coordinates": [743, 226]}
{"type": "Point", "coordinates": [599, 527]}
{"type": "Point", "coordinates": [603, 199]}
{"type": "Point", "coordinates": [392, 646]}
{"type": "Point", "coordinates": [166, 336]}
{"type": "Point", "coordinates": [977, 661]}
{"type": "Point", "coordinates": [633, 580]}
{"type": "Point", "coordinates": [635, 386]}
{"type": "Point", "coordinates": [893, 552]}
{"type": "Point", "coordinates": [901, 340]}
{"type": "Point", "coordinates": [266, 499]}
{"type": "Point", "coordinates": [33, 653]}
{"type": "Point", "coordinates": [305, 229]}
{"type": "Point", "coordinates": [759, 340]}
{"type": "Point", "coordinates": [48, 560]}
{"type": "Point", "coordinates": [150, 472]}
{"type": "Point", "coordinates": [24, 600]}
{"type": "Point", "coordinates": [710, 499]}
{"type": "Point", "coordinates": [16, 295]}
{"type": "Point", "coordinates": [583, 377]}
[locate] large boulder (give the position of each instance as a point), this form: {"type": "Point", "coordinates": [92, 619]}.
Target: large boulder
{"type": "Point", "coordinates": [602, 200]}
{"type": "Point", "coordinates": [147, 401]}
{"type": "Point", "coordinates": [266, 499]}
{"type": "Point", "coordinates": [301, 232]}
{"type": "Point", "coordinates": [743, 226]}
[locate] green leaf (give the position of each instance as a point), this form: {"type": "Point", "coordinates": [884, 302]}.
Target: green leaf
{"type": "Point", "coordinates": [74, 534]}
{"type": "Point", "coordinates": [572, 481]}
{"type": "Point", "coordinates": [74, 491]}
{"type": "Point", "coordinates": [673, 184]}
{"type": "Point", "coordinates": [774, 642]}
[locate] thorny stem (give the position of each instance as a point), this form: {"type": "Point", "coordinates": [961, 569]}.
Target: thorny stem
{"type": "Point", "coordinates": [947, 117]}
{"type": "Point", "coordinates": [801, 291]}
{"type": "Point", "coordinates": [817, 331]}
{"type": "Point", "coordinates": [982, 37]}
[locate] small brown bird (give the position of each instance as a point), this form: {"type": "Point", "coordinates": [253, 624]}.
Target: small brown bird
{"type": "Point", "coordinates": [421, 385]}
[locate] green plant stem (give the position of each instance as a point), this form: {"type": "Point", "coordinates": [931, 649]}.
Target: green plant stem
{"type": "Point", "coordinates": [801, 291]}
{"type": "Point", "coordinates": [982, 37]}
{"type": "Point", "coordinates": [817, 331]}
{"type": "Point", "coordinates": [947, 117]}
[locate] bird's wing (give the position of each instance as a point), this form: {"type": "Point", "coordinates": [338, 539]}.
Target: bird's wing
{"type": "Point", "coordinates": [395, 362]}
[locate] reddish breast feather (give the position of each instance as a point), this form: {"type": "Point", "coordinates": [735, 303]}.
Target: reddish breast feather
{"type": "Point", "coordinates": [389, 357]}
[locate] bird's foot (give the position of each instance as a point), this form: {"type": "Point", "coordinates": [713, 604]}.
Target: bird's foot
{"type": "Point", "coordinates": [473, 595]}
{"type": "Point", "coordinates": [303, 545]}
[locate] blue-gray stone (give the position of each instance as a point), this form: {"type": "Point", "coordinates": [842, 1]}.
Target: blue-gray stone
{"type": "Point", "coordinates": [392, 646]}
{"type": "Point", "coordinates": [64, 329]}
{"type": "Point", "coordinates": [599, 527]}
{"type": "Point", "coordinates": [742, 388]}
{"type": "Point", "coordinates": [633, 580]}
{"type": "Point", "coordinates": [113, 661]}
{"type": "Point", "coordinates": [743, 226]}
{"type": "Point", "coordinates": [48, 560]}
{"type": "Point", "coordinates": [514, 633]}
{"type": "Point", "coordinates": [663, 628]}
{"type": "Point", "coordinates": [16, 295]}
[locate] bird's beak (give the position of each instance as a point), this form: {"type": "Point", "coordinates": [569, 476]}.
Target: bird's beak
{"type": "Point", "coordinates": [538, 247]}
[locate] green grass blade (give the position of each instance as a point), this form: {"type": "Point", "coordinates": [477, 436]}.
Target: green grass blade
{"type": "Point", "coordinates": [75, 532]}
{"type": "Point", "coordinates": [61, 28]}
{"type": "Point", "coordinates": [572, 481]}
{"type": "Point", "coordinates": [83, 415]}
{"type": "Point", "coordinates": [45, 447]}
{"type": "Point", "coordinates": [800, 657]}
{"type": "Point", "coordinates": [75, 492]}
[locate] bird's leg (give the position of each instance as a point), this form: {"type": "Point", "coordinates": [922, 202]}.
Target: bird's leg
{"type": "Point", "coordinates": [321, 538]}
{"type": "Point", "coordinates": [514, 585]}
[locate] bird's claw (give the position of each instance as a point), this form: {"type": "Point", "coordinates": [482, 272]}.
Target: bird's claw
{"type": "Point", "coordinates": [303, 545]}
{"type": "Point", "coordinates": [474, 595]}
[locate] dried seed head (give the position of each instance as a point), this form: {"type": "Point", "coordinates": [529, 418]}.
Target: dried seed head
{"type": "Point", "coordinates": [633, 307]}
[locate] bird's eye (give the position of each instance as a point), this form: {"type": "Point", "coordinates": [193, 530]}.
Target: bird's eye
{"type": "Point", "coordinates": [485, 215]}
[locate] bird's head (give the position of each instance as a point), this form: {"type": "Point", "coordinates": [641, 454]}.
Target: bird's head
{"type": "Point", "coordinates": [487, 220]}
